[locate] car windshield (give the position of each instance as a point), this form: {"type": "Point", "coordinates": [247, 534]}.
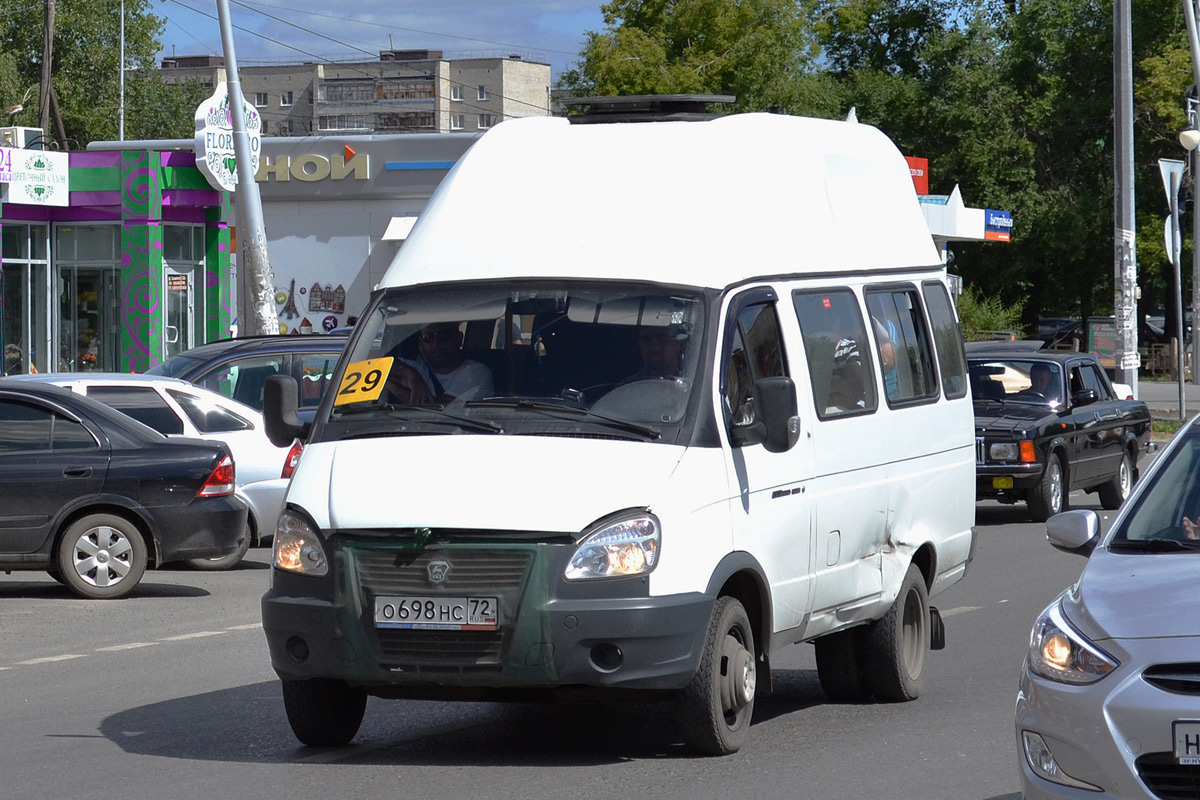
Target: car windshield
{"type": "Point", "coordinates": [175, 366]}
{"type": "Point", "coordinates": [539, 357]}
{"type": "Point", "coordinates": [1166, 516]}
{"type": "Point", "coordinates": [1016, 380]}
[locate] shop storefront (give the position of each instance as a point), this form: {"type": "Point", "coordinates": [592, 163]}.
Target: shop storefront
{"type": "Point", "coordinates": [132, 268]}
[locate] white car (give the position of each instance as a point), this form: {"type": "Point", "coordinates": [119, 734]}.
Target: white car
{"type": "Point", "coordinates": [177, 408]}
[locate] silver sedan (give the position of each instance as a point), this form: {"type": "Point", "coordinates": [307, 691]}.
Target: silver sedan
{"type": "Point", "coordinates": [1109, 701]}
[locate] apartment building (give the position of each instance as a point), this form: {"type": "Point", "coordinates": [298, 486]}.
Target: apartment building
{"type": "Point", "coordinates": [405, 91]}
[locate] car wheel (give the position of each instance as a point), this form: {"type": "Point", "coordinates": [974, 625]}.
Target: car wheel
{"type": "Point", "coordinates": [896, 646]}
{"type": "Point", "coordinates": [102, 556]}
{"type": "Point", "coordinates": [1113, 493]}
{"type": "Point", "coordinates": [224, 562]}
{"type": "Point", "coordinates": [715, 708]}
{"type": "Point", "coordinates": [839, 666]}
{"type": "Point", "coordinates": [323, 712]}
{"type": "Point", "coordinates": [1049, 497]}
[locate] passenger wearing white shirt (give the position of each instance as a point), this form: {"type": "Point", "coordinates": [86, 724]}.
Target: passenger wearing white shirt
{"type": "Point", "coordinates": [461, 378]}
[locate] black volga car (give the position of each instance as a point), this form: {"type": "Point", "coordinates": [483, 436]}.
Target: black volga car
{"type": "Point", "coordinates": [94, 498]}
{"type": "Point", "coordinates": [1048, 422]}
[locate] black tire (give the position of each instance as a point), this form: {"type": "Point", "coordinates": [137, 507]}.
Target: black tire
{"type": "Point", "coordinates": [840, 666]}
{"type": "Point", "coordinates": [896, 647]}
{"type": "Point", "coordinates": [224, 562]}
{"type": "Point", "coordinates": [101, 556]}
{"type": "Point", "coordinates": [1049, 497]}
{"type": "Point", "coordinates": [1113, 493]}
{"type": "Point", "coordinates": [715, 709]}
{"type": "Point", "coordinates": [323, 712]}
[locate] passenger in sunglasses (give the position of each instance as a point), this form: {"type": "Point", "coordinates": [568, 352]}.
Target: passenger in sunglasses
{"type": "Point", "coordinates": [461, 378]}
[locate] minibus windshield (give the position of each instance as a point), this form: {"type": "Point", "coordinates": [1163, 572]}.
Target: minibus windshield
{"type": "Point", "coordinates": [535, 357]}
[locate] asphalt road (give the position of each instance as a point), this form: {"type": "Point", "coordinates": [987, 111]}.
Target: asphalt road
{"type": "Point", "coordinates": [169, 694]}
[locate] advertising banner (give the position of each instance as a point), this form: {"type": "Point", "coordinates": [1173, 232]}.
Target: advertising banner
{"type": "Point", "coordinates": [34, 177]}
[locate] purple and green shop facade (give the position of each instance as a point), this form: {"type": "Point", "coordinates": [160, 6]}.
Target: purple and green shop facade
{"type": "Point", "coordinates": [134, 270]}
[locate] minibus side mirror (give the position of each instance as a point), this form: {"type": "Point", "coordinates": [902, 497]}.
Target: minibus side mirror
{"type": "Point", "coordinates": [777, 409]}
{"type": "Point", "coordinates": [281, 411]}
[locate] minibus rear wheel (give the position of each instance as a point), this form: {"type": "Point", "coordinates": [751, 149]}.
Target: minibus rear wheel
{"type": "Point", "coordinates": [715, 708]}
{"type": "Point", "coordinates": [840, 666]}
{"type": "Point", "coordinates": [323, 712]}
{"type": "Point", "coordinates": [897, 645]}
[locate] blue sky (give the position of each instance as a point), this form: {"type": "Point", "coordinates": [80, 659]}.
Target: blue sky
{"type": "Point", "coordinates": [276, 31]}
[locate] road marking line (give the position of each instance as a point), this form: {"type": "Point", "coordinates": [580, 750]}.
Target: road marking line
{"type": "Point", "coordinates": [249, 627]}
{"type": "Point", "coordinates": [129, 646]}
{"type": "Point", "coordinates": [197, 635]}
{"type": "Point", "coordinates": [950, 612]}
{"type": "Point", "coordinates": [46, 660]}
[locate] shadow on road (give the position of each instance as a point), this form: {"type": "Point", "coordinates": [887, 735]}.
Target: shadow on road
{"type": "Point", "coordinates": [248, 724]}
{"type": "Point", "coordinates": [42, 587]}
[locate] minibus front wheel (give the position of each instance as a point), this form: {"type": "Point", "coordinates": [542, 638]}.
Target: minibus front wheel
{"type": "Point", "coordinates": [716, 706]}
{"type": "Point", "coordinates": [323, 712]}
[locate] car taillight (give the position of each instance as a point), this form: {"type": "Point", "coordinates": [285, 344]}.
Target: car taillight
{"type": "Point", "coordinates": [293, 458]}
{"type": "Point", "coordinates": [220, 482]}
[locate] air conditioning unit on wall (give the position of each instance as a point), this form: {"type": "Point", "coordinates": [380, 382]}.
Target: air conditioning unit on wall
{"type": "Point", "coordinates": [22, 138]}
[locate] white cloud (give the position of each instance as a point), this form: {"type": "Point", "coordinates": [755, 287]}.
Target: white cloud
{"type": "Point", "coordinates": [276, 31]}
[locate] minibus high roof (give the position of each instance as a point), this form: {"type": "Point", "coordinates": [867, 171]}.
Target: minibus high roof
{"type": "Point", "coordinates": [705, 204]}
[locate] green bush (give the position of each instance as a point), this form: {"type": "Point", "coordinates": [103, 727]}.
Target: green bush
{"type": "Point", "coordinates": [982, 317]}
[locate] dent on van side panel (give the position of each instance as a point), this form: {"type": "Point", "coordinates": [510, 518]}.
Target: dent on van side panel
{"type": "Point", "coordinates": [932, 486]}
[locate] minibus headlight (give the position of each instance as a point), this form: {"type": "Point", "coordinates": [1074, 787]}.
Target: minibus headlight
{"type": "Point", "coordinates": [627, 547]}
{"type": "Point", "coordinates": [297, 547]}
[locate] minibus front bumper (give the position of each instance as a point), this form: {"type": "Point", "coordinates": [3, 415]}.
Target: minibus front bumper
{"type": "Point", "coordinates": [550, 633]}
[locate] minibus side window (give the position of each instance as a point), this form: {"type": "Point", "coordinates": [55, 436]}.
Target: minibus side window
{"type": "Point", "coordinates": [756, 352]}
{"type": "Point", "coordinates": [947, 339]}
{"type": "Point", "coordinates": [835, 344]}
{"type": "Point", "coordinates": [902, 343]}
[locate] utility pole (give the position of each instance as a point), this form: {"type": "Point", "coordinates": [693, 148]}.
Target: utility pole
{"type": "Point", "coordinates": [47, 60]}
{"type": "Point", "coordinates": [256, 295]}
{"type": "Point", "coordinates": [121, 90]}
{"type": "Point", "coordinates": [1125, 262]}
{"type": "Point", "coordinates": [1189, 143]}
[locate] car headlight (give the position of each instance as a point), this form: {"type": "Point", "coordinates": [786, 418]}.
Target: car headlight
{"type": "Point", "coordinates": [1004, 451]}
{"type": "Point", "coordinates": [1060, 653]}
{"type": "Point", "coordinates": [627, 547]}
{"type": "Point", "coordinates": [297, 547]}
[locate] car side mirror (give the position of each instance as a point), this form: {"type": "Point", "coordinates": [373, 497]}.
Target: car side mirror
{"type": "Point", "coordinates": [281, 411]}
{"type": "Point", "coordinates": [1074, 531]}
{"type": "Point", "coordinates": [777, 403]}
{"type": "Point", "coordinates": [1085, 397]}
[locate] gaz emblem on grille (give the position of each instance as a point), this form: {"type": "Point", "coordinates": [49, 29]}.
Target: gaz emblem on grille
{"type": "Point", "coordinates": [438, 571]}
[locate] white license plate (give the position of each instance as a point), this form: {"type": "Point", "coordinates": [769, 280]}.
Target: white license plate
{"type": "Point", "coordinates": [437, 613]}
{"type": "Point", "coordinates": [1187, 742]}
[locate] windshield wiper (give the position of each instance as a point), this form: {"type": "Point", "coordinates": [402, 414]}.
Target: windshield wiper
{"type": "Point", "coordinates": [553, 408]}
{"type": "Point", "coordinates": [1156, 545]}
{"type": "Point", "coordinates": [392, 409]}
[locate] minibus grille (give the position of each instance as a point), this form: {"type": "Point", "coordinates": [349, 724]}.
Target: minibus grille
{"type": "Point", "coordinates": [500, 573]}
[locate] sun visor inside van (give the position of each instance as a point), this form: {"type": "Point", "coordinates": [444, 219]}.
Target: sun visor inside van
{"type": "Point", "coordinates": [639, 311]}
{"type": "Point", "coordinates": [426, 312]}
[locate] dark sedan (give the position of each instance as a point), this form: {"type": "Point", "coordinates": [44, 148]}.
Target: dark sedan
{"type": "Point", "coordinates": [1047, 423]}
{"type": "Point", "coordinates": [94, 498]}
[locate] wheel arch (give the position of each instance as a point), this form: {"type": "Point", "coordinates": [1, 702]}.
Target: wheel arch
{"type": "Point", "coordinates": [108, 506]}
{"type": "Point", "coordinates": [739, 575]}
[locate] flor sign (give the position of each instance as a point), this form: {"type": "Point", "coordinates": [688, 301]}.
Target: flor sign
{"type": "Point", "coordinates": [214, 139]}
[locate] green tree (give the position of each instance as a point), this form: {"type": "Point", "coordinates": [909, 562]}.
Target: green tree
{"type": "Point", "coordinates": [85, 71]}
{"type": "Point", "coordinates": [760, 51]}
